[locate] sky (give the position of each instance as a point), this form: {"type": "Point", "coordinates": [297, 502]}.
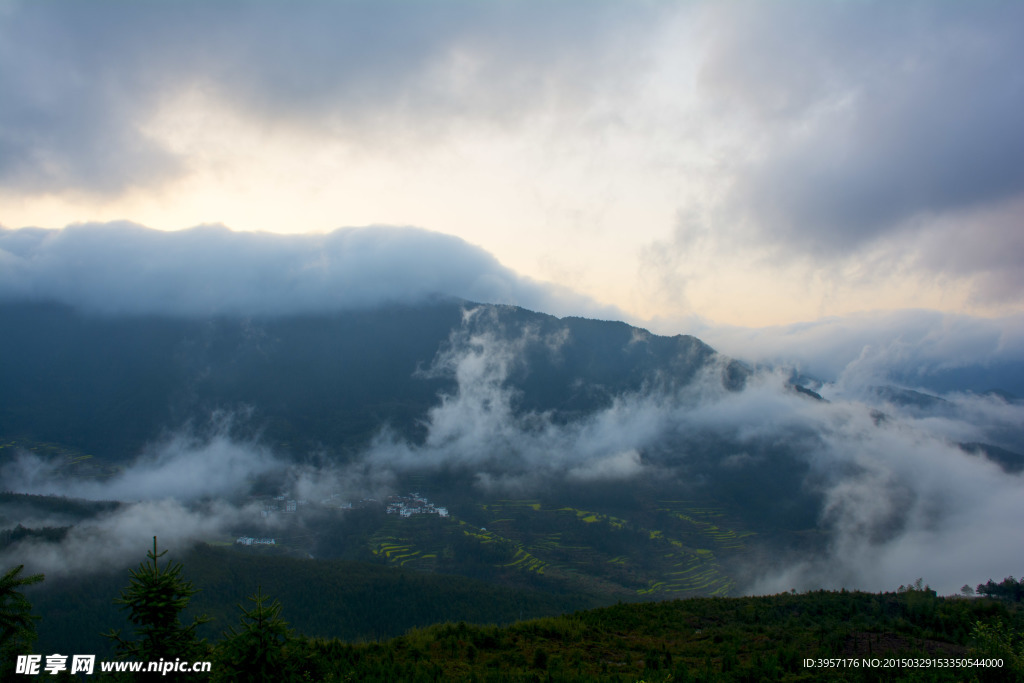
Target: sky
{"type": "Point", "coordinates": [688, 165]}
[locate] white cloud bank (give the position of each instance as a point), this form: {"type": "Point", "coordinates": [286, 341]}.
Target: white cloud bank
{"type": "Point", "coordinates": [117, 268]}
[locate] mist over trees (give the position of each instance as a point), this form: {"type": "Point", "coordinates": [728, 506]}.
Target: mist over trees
{"type": "Point", "coordinates": [195, 418]}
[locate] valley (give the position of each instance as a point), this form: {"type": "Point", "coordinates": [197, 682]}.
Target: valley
{"type": "Point", "coordinates": [386, 470]}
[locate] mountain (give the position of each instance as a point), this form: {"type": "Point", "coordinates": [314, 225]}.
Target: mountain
{"type": "Point", "coordinates": [107, 386]}
{"type": "Point", "coordinates": [572, 456]}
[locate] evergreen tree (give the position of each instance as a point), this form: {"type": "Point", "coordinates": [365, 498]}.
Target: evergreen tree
{"type": "Point", "coordinates": [17, 625]}
{"type": "Point", "coordinates": [16, 620]}
{"type": "Point", "coordinates": [255, 651]}
{"type": "Point", "coordinates": [155, 597]}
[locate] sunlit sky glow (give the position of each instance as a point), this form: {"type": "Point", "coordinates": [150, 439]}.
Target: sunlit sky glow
{"type": "Point", "coordinates": [741, 163]}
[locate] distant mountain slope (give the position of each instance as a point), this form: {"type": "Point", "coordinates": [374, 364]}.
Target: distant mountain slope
{"type": "Point", "coordinates": [108, 385]}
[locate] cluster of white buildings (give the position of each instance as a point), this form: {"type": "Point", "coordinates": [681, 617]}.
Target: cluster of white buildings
{"type": "Point", "coordinates": [281, 504]}
{"type": "Point", "coordinates": [249, 540]}
{"type": "Point", "coordinates": [413, 504]}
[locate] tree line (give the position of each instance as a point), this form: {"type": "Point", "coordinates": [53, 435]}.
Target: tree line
{"type": "Point", "coordinates": [699, 639]}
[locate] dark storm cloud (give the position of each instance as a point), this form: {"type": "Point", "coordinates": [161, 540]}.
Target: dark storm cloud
{"type": "Point", "coordinates": [81, 81]}
{"type": "Point", "coordinates": [868, 118]}
{"type": "Point", "coordinates": [125, 268]}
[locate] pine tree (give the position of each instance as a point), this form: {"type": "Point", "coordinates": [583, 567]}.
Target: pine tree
{"type": "Point", "coordinates": [155, 597]}
{"type": "Point", "coordinates": [16, 620]}
{"type": "Point", "coordinates": [17, 625]}
{"type": "Point", "coordinates": [255, 651]}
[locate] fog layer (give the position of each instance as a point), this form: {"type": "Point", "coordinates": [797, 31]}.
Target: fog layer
{"type": "Point", "coordinates": [899, 496]}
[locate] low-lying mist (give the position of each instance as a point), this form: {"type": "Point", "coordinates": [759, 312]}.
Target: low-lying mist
{"type": "Point", "coordinates": [897, 494]}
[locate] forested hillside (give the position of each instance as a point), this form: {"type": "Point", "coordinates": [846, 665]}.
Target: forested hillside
{"type": "Point", "coordinates": [862, 637]}
{"type": "Point", "coordinates": [911, 634]}
{"type": "Point", "coordinates": [107, 385]}
{"type": "Point", "coordinates": [326, 598]}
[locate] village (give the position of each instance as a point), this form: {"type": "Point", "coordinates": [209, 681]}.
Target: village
{"type": "Point", "coordinates": [413, 504]}
{"type": "Point", "coordinates": [250, 540]}
{"type": "Point", "coordinates": [403, 506]}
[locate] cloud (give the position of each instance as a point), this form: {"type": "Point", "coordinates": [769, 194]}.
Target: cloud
{"type": "Point", "coordinates": [859, 147]}
{"type": "Point", "coordinates": [916, 348]}
{"type": "Point", "coordinates": [897, 496]}
{"type": "Point", "coordinates": [901, 501]}
{"type": "Point", "coordinates": [479, 429]}
{"type": "Point", "coordinates": [194, 485]}
{"type": "Point", "coordinates": [888, 489]}
{"type": "Point", "coordinates": [84, 84]}
{"type": "Point", "coordinates": [117, 538]}
{"type": "Point", "coordinates": [983, 244]}
{"type": "Point", "coordinates": [184, 467]}
{"type": "Point", "coordinates": [878, 114]}
{"type": "Point", "coordinates": [876, 134]}
{"type": "Point", "coordinates": [117, 268]}
{"type": "Point", "coordinates": [191, 486]}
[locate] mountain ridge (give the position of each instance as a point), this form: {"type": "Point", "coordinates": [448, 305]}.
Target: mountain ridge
{"type": "Point", "coordinates": [117, 382]}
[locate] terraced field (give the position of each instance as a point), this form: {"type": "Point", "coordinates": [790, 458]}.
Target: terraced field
{"type": "Point", "coordinates": [593, 549]}
{"type": "Point", "coordinates": [701, 519]}
{"type": "Point", "coordinates": [400, 544]}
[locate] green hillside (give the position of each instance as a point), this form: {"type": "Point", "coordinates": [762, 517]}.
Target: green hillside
{"type": "Point", "coordinates": [327, 598]}
{"type": "Point", "coordinates": [707, 639]}
{"type": "Point", "coordinates": [909, 635]}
